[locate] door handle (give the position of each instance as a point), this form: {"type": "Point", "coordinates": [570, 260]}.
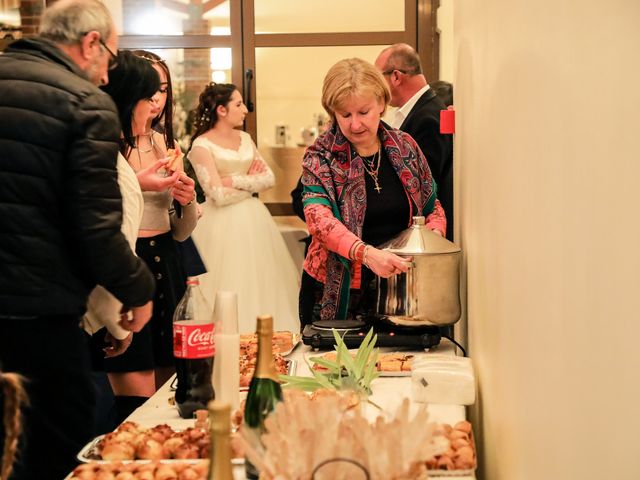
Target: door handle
{"type": "Point", "coordinates": [248, 74]}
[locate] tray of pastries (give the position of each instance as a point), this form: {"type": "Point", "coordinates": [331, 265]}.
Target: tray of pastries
{"type": "Point", "coordinates": [460, 458]}
{"type": "Point", "coordinates": [157, 470]}
{"type": "Point", "coordinates": [249, 355]}
{"type": "Point", "coordinates": [283, 342]}
{"type": "Point", "coordinates": [248, 358]}
{"type": "Point", "coordinates": [284, 366]}
{"type": "Point", "coordinates": [132, 443]}
{"type": "Point", "coordinates": [393, 364]}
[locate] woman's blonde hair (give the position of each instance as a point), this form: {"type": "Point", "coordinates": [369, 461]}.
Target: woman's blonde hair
{"type": "Point", "coordinates": [349, 77]}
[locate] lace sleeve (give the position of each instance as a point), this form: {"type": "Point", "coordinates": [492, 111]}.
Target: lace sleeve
{"type": "Point", "coordinates": [257, 182]}
{"type": "Point", "coordinates": [205, 167]}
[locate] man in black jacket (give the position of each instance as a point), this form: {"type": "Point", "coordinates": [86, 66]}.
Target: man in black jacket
{"type": "Point", "coordinates": [418, 114]}
{"type": "Point", "coordinates": [60, 218]}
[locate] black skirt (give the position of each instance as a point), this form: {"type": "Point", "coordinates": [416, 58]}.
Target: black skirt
{"type": "Point", "coordinates": [191, 259]}
{"type": "Point", "coordinates": [153, 346]}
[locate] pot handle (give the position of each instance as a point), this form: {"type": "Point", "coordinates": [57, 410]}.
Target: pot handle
{"type": "Point", "coordinates": [410, 263]}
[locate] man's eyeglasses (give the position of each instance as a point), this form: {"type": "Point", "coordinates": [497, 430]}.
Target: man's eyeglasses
{"type": "Point", "coordinates": [113, 60]}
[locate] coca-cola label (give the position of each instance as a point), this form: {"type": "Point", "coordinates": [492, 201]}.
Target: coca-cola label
{"type": "Point", "coordinates": [193, 341]}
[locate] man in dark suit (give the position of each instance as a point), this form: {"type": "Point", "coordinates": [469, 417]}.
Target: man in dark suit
{"type": "Point", "coordinates": [418, 114]}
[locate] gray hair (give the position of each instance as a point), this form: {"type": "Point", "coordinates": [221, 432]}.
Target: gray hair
{"type": "Point", "coordinates": [67, 21]}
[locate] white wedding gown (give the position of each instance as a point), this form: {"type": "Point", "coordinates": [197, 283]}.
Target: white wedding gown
{"type": "Point", "coordinates": [238, 240]}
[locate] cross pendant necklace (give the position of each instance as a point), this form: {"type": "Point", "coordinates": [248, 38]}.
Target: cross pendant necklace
{"type": "Point", "coordinates": [372, 167]}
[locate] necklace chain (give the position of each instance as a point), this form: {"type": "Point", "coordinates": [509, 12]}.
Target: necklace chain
{"type": "Point", "coordinates": [372, 166]}
{"type": "Point", "coordinates": [150, 135]}
{"type": "Point", "coordinates": [138, 151]}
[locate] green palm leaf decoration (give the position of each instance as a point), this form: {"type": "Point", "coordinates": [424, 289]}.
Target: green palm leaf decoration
{"type": "Point", "coordinates": [345, 373]}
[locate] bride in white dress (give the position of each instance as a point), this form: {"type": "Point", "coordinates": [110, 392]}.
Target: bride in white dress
{"type": "Point", "coordinates": [237, 238]}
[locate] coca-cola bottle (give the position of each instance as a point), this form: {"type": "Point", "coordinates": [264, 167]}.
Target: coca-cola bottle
{"type": "Point", "coordinates": [193, 350]}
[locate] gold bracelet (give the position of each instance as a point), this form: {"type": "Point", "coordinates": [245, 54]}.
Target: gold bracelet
{"type": "Point", "coordinates": [353, 251]}
{"type": "Point", "coordinates": [364, 256]}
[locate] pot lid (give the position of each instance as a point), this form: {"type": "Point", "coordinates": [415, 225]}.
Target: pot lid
{"type": "Point", "coordinates": [419, 240]}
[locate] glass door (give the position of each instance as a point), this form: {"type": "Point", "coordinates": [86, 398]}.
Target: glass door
{"type": "Point", "coordinates": [289, 46]}
{"type": "Point", "coordinates": [276, 51]}
{"type": "Point", "coordinates": [201, 41]}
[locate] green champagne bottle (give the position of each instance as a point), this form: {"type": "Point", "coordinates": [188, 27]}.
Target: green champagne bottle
{"type": "Point", "coordinates": [264, 390]}
{"type": "Point", "coordinates": [220, 426]}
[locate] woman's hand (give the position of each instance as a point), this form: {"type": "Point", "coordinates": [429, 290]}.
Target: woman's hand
{"type": "Point", "coordinates": [151, 181]}
{"type": "Point", "coordinates": [385, 264]}
{"type": "Point", "coordinates": [257, 167]}
{"type": "Point", "coordinates": [226, 181]}
{"type": "Point", "coordinates": [184, 189]}
{"type": "Point", "coordinates": [116, 347]}
{"type": "Point", "coordinates": [136, 318]}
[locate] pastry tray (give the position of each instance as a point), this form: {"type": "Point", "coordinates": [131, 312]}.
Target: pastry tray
{"type": "Point", "coordinates": [469, 472]}
{"type": "Point", "coordinates": [291, 370]}
{"type": "Point", "coordinates": [451, 473]}
{"type": "Point", "coordinates": [295, 340]}
{"type": "Point", "coordinates": [381, 373]}
{"type": "Point", "coordinates": [89, 453]}
{"type": "Point", "coordinates": [185, 461]}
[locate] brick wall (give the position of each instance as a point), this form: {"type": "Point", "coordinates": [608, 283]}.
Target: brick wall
{"type": "Point", "coordinates": [30, 11]}
{"type": "Point", "coordinates": [197, 63]}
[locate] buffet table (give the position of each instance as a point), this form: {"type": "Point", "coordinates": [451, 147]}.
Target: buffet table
{"type": "Point", "coordinates": [388, 392]}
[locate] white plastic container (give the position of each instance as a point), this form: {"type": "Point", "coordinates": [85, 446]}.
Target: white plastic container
{"type": "Point", "coordinates": [443, 379]}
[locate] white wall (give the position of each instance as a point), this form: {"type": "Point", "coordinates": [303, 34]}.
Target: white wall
{"type": "Point", "coordinates": [547, 178]}
{"type": "Point", "coordinates": [447, 45]}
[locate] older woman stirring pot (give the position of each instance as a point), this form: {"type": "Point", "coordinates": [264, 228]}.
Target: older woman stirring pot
{"type": "Point", "coordinates": [363, 183]}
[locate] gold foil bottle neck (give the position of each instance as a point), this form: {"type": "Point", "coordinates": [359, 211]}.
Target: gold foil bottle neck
{"type": "Point", "coordinates": [220, 429]}
{"type": "Point", "coordinates": [219, 415]}
{"type": "Point", "coordinates": [265, 365]}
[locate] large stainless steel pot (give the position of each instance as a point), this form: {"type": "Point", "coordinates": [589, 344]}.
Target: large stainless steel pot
{"type": "Point", "coordinates": [429, 293]}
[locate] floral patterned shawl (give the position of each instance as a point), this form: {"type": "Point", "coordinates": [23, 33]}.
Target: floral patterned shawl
{"type": "Point", "coordinates": [333, 175]}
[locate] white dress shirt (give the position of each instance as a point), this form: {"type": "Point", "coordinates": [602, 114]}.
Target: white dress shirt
{"type": "Point", "coordinates": [403, 111]}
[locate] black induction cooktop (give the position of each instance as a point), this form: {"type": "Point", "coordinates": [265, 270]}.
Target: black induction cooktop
{"type": "Point", "coordinates": [319, 335]}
